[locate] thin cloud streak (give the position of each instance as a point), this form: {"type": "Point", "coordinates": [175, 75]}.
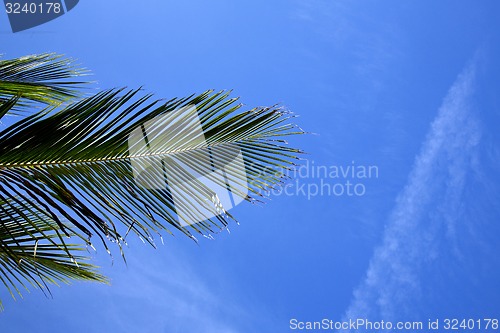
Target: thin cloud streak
{"type": "Point", "coordinates": [177, 299]}
{"type": "Point", "coordinates": [425, 211]}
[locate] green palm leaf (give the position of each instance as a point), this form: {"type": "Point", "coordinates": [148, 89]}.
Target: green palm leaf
{"type": "Point", "coordinates": [120, 162]}
{"type": "Point", "coordinates": [46, 78]}
{"type": "Point", "coordinates": [78, 159]}
{"type": "Point", "coordinates": [33, 253]}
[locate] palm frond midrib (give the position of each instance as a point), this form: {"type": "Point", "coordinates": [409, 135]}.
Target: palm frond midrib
{"type": "Point", "coordinates": [121, 157]}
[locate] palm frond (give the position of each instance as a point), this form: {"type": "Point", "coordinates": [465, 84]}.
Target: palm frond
{"type": "Point", "coordinates": [84, 164]}
{"type": "Point", "coordinates": [33, 252]}
{"type": "Point", "coordinates": [49, 79]}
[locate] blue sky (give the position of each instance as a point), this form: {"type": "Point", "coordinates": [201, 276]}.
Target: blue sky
{"type": "Point", "coordinates": [409, 87]}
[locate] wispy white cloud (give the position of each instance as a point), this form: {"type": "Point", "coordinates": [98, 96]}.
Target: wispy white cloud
{"type": "Point", "coordinates": [167, 293]}
{"type": "Point", "coordinates": [425, 211]}
{"type": "Point", "coordinates": [373, 44]}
